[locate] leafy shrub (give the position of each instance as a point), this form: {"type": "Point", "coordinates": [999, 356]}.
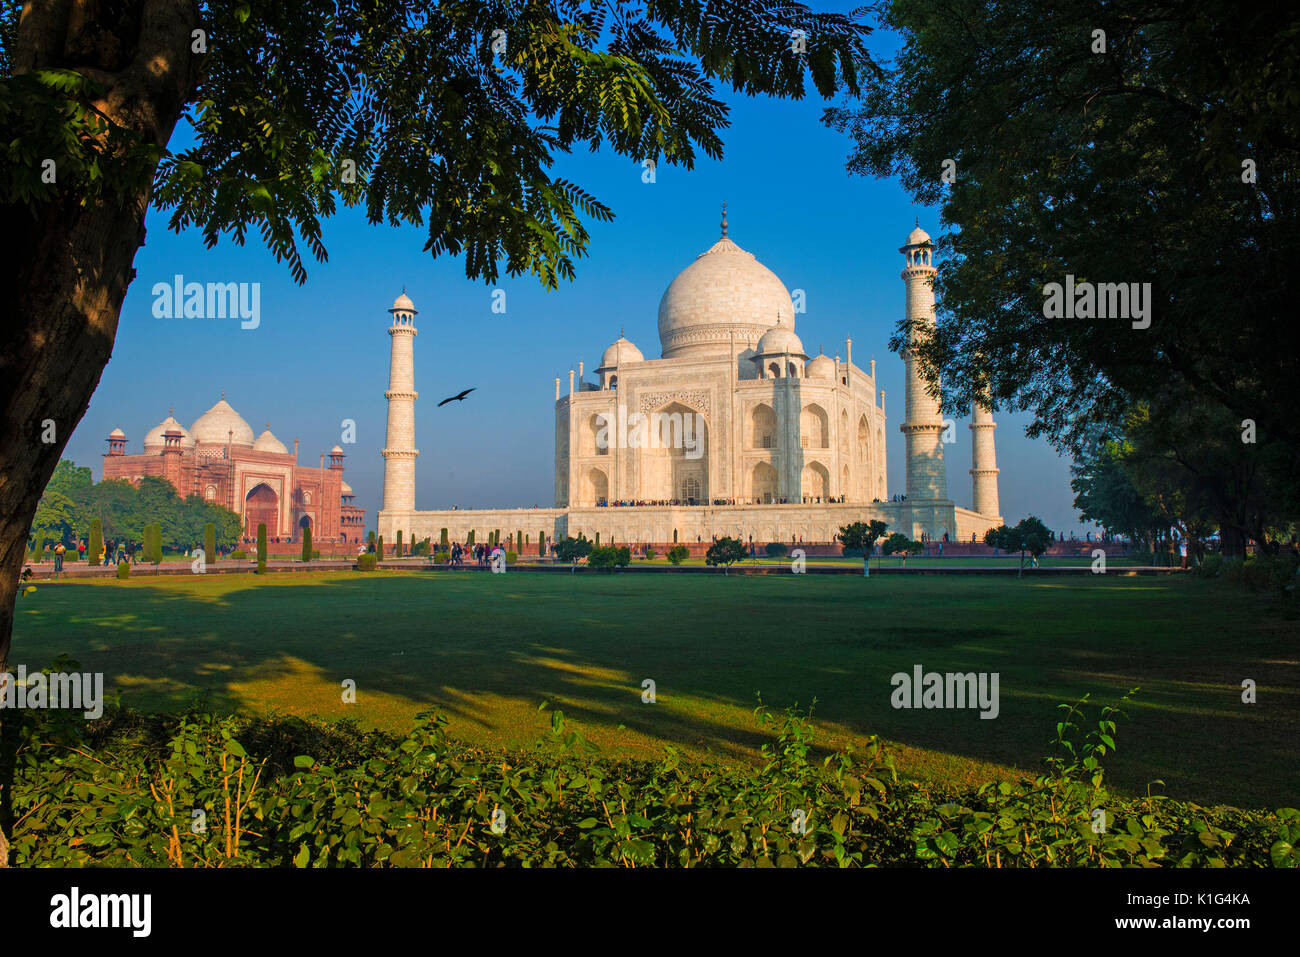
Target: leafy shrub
{"type": "Point", "coordinates": [649, 553]}
{"type": "Point", "coordinates": [315, 553]}
{"type": "Point", "coordinates": [306, 544]}
{"type": "Point", "coordinates": [511, 558]}
{"type": "Point", "coordinates": [607, 557]}
{"type": "Point", "coordinates": [261, 548]}
{"type": "Point", "coordinates": [725, 551]}
{"type": "Point", "coordinates": [1212, 566]}
{"type": "Point", "coordinates": [1271, 573]}
{"type": "Point", "coordinates": [123, 570]}
{"type": "Point", "coordinates": [367, 562]}
{"type": "Point", "coordinates": [306, 793]}
{"type": "Point", "coordinates": [239, 555]}
{"type": "Point", "coordinates": [678, 554]}
{"type": "Point", "coordinates": [776, 549]}
{"type": "Point", "coordinates": [442, 558]}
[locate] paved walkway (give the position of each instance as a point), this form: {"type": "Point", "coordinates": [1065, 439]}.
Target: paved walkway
{"type": "Point", "coordinates": [44, 571]}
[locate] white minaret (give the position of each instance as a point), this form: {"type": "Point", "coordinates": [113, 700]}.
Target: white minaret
{"type": "Point", "coordinates": [922, 423]}
{"type": "Point", "coordinates": [984, 463]}
{"type": "Point", "coordinates": [399, 448]}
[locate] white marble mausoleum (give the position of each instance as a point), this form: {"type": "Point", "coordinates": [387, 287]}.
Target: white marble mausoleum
{"type": "Point", "coordinates": [733, 430]}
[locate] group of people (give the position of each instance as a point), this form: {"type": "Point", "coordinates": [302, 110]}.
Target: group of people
{"type": "Point", "coordinates": [481, 554]}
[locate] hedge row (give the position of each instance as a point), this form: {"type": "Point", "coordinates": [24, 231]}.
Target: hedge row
{"type": "Point", "coordinates": [205, 790]}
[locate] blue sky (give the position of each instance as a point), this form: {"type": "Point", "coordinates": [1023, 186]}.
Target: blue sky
{"type": "Point", "coordinates": [320, 354]}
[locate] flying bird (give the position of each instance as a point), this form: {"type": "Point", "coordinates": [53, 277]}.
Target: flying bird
{"type": "Point", "coordinates": [455, 398]}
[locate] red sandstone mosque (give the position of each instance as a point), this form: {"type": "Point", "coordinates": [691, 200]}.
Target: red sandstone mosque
{"type": "Point", "coordinates": [257, 478]}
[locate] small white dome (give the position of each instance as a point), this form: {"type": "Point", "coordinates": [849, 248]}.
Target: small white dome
{"type": "Point", "coordinates": [345, 488]}
{"type": "Point", "coordinates": [778, 341]}
{"type": "Point", "coordinates": [820, 367]}
{"type": "Point", "coordinates": [621, 351]}
{"type": "Point", "coordinates": [266, 442]}
{"type": "Point", "coordinates": [917, 237]}
{"type": "Point", "coordinates": [336, 451]}
{"type": "Point", "coordinates": [154, 437]}
{"type": "Point", "coordinates": [403, 304]}
{"type": "Point", "coordinates": [117, 434]}
{"type": "Point", "coordinates": [215, 425]}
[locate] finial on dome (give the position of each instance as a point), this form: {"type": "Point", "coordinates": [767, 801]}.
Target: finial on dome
{"type": "Point", "coordinates": [171, 411]}
{"type": "Point", "coordinates": [223, 393]}
{"type": "Point", "coordinates": [918, 222]}
{"type": "Point", "coordinates": [724, 218]}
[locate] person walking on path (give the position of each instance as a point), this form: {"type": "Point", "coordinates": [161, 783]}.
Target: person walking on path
{"type": "Point", "coordinates": [58, 558]}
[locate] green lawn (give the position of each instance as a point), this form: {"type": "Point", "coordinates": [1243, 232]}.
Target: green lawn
{"type": "Point", "coordinates": [488, 649]}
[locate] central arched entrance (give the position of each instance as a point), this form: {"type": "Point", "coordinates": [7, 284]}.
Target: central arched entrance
{"type": "Point", "coordinates": [261, 506]}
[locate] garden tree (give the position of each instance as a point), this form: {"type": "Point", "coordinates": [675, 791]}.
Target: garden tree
{"type": "Point", "coordinates": [775, 549]}
{"type": "Point", "coordinates": [210, 542]}
{"type": "Point", "coordinates": [609, 557]}
{"type": "Point", "coordinates": [410, 109]}
{"type": "Point", "coordinates": [306, 543]}
{"type": "Point", "coordinates": [1105, 494]}
{"type": "Point", "coordinates": [261, 548]}
{"type": "Point", "coordinates": [862, 536]}
{"type": "Point", "coordinates": [93, 549]}
{"type": "Point", "coordinates": [1028, 535]}
{"type": "Point", "coordinates": [1186, 456]}
{"type": "Point", "coordinates": [1172, 157]}
{"type": "Point", "coordinates": [900, 544]}
{"type": "Point", "coordinates": [60, 514]}
{"type": "Point", "coordinates": [677, 554]}
{"type": "Point", "coordinates": [725, 552]}
{"type": "Point", "coordinates": [571, 549]}
{"type": "Point", "coordinates": [397, 549]}
{"type": "Point", "coordinates": [124, 510]}
{"type": "Point", "coordinates": [379, 549]}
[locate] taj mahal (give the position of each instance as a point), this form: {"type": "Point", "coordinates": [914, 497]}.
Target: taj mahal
{"type": "Point", "coordinates": [734, 430]}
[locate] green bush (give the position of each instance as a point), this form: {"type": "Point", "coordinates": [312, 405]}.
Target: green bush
{"type": "Point", "coordinates": [776, 549]}
{"type": "Point", "coordinates": [123, 570]}
{"type": "Point", "coordinates": [315, 553]}
{"type": "Point", "coordinates": [678, 554]}
{"type": "Point", "coordinates": [306, 544]}
{"type": "Point", "coordinates": [379, 549]}
{"type": "Point", "coordinates": [397, 548]}
{"type": "Point", "coordinates": [649, 553]}
{"type": "Point", "coordinates": [209, 542]}
{"type": "Point", "coordinates": [725, 551]}
{"type": "Point", "coordinates": [512, 557]}
{"type": "Point", "coordinates": [367, 562]}
{"type": "Point", "coordinates": [442, 557]}
{"type": "Point", "coordinates": [334, 795]}
{"type": "Point", "coordinates": [94, 550]}
{"type": "Point", "coordinates": [239, 555]}
{"type": "Point", "coordinates": [261, 548]}
{"type": "Point", "coordinates": [607, 558]}
{"type": "Point", "coordinates": [1212, 566]}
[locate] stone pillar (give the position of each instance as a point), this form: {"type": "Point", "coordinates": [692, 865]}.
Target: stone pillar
{"type": "Point", "coordinates": [399, 447]}
{"type": "Point", "coordinates": [984, 463]}
{"type": "Point", "coordinates": [922, 423]}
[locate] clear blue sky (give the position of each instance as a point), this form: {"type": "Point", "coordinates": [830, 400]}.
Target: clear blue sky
{"type": "Point", "coordinates": [321, 352]}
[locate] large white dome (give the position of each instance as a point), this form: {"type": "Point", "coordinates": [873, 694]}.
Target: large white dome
{"type": "Point", "coordinates": [215, 425]}
{"type": "Point", "coordinates": [725, 291]}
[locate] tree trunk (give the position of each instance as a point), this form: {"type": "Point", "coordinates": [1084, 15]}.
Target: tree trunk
{"type": "Point", "coordinates": [66, 279]}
